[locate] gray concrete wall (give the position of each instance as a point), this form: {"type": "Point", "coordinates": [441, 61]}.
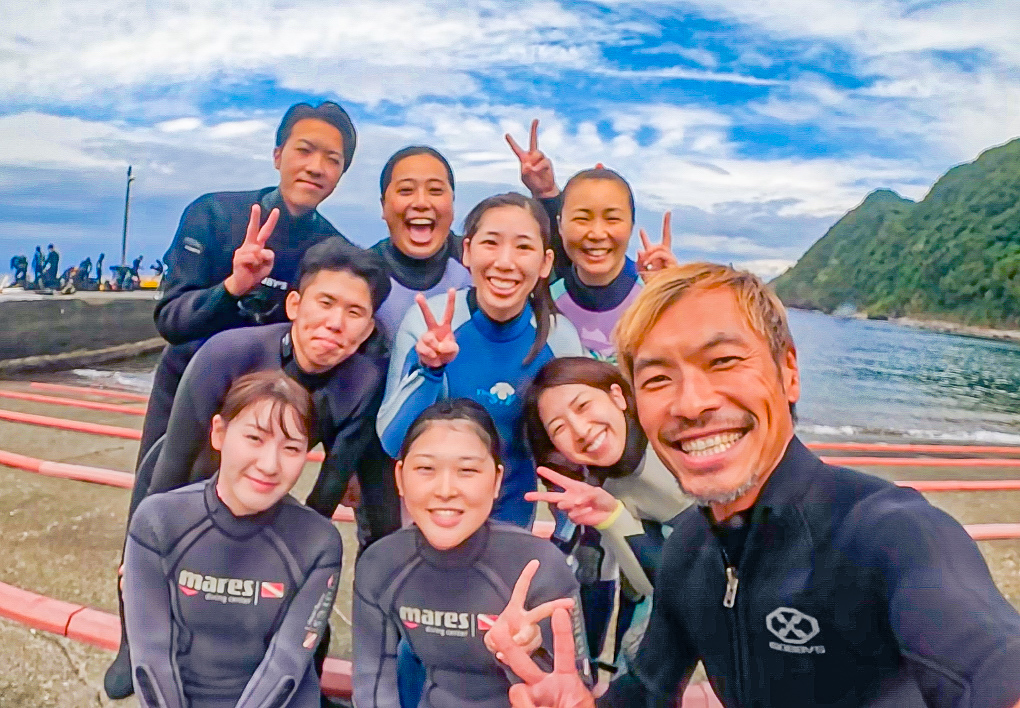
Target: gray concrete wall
{"type": "Point", "coordinates": [57, 324]}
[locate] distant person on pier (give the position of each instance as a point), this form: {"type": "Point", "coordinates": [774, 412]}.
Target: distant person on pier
{"type": "Point", "coordinates": [38, 266]}
{"type": "Point", "coordinates": [99, 269]}
{"type": "Point", "coordinates": [19, 264]}
{"type": "Point", "coordinates": [235, 256]}
{"type": "Point", "coordinates": [82, 275]}
{"type": "Point", "coordinates": [52, 265]}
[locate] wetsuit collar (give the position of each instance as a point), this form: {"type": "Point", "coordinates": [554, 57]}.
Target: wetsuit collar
{"type": "Point", "coordinates": [238, 527]}
{"type": "Point", "coordinates": [498, 331]}
{"type": "Point", "coordinates": [634, 453]}
{"type": "Point", "coordinates": [418, 273]}
{"type": "Point", "coordinates": [786, 485]}
{"type": "Point", "coordinates": [310, 382]}
{"type": "Point", "coordinates": [274, 200]}
{"type": "Point", "coordinates": [601, 298]}
{"type": "Point", "coordinates": [462, 556]}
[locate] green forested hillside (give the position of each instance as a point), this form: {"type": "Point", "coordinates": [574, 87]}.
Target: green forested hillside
{"type": "Point", "coordinates": [954, 255]}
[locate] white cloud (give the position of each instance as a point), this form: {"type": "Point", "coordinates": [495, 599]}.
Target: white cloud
{"type": "Point", "coordinates": [365, 50]}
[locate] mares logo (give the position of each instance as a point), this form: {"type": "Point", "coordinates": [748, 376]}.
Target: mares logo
{"type": "Point", "coordinates": [447, 624]}
{"type": "Point", "coordinates": [232, 590]}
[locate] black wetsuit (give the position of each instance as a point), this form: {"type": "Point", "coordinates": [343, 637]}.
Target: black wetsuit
{"type": "Point", "coordinates": [836, 589]}
{"type": "Point", "coordinates": [195, 304]}
{"type": "Point", "coordinates": [410, 276]}
{"type": "Point", "coordinates": [226, 611]}
{"type": "Point", "coordinates": [346, 402]}
{"type": "Point", "coordinates": [52, 266]}
{"type": "Point", "coordinates": [441, 603]}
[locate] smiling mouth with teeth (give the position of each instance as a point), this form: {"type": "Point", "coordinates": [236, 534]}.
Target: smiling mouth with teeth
{"type": "Point", "coordinates": [711, 445]}
{"type": "Point", "coordinates": [595, 442]}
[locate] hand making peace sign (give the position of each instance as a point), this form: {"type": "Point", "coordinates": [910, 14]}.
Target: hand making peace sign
{"type": "Point", "coordinates": [252, 260]}
{"type": "Point", "coordinates": [437, 346]}
{"type": "Point", "coordinates": [521, 625]}
{"type": "Point", "coordinates": [562, 688]}
{"type": "Point", "coordinates": [586, 505]}
{"type": "Point", "coordinates": [658, 256]}
{"type": "Point", "coordinates": [536, 168]}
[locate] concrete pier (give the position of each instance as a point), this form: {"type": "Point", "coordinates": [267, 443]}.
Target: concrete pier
{"type": "Point", "coordinates": [60, 331]}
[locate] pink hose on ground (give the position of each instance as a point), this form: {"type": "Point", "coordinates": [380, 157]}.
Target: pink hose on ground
{"type": "Point", "coordinates": [90, 391]}
{"type": "Point", "coordinates": [102, 629]}
{"type": "Point", "coordinates": [73, 402]}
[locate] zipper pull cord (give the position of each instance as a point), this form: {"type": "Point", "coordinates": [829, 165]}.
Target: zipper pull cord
{"type": "Point", "coordinates": [730, 598]}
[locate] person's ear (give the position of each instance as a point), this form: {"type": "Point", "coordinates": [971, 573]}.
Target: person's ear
{"type": "Point", "coordinates": [397, 473]}
{"type": "Point", "coordinates": [547, 263]}
{"type": "Point", "coordinates": [790, 375]}
{"type": "Point", "coordinates": [277, 154]}
{"type": "Point", "coordinates": [465, 253]}
{"type": "Point", "coordinates": [218, 432]}
{"type": "Point", "coordinates": [616, 394]}
{"type": "Point", "coordinates": [499, 481]}
{"type": "Point", "coordinates": [291, 304]}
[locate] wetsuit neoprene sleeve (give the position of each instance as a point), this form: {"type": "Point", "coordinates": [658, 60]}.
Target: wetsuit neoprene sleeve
{"type": "Point", "coordinates": [442, 603]}
{"type": "Point", "coordinates": [225, 610]}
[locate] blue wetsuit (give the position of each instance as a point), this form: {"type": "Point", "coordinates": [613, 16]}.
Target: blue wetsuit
{"type": "Point", "coordinates": [225, 611]}
{"type": "Point", "coordinates": [442, 603]}
{"type": "Point", "coordinates": [488, 369]}
{"type": "Point", "coordinates": [836, 589]}
{"type": "Point", "coordinates": [410, 276]}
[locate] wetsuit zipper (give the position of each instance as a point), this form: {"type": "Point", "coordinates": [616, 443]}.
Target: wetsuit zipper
{"type": "Point", "coordinates": [729, 601]}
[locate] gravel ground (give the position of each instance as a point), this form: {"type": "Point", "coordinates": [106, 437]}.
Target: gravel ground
{"type": "Point", "coordinates": [62, 538]}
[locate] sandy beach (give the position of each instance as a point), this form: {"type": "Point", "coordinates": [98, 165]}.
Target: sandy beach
{"type": "Point", "coordinates": [62, 539]}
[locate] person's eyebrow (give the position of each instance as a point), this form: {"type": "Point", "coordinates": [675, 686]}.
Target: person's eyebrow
{"type": "Point", "coordinates": [722, 338]}
{"type": "Point", "coordinates": [646, 362]}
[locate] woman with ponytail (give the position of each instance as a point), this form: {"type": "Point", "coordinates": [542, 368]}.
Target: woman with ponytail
{"type": "Point", "coordinates": [488, 341]}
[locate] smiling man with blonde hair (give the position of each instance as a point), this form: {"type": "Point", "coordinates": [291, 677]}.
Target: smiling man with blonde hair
{"type": "Point", "coordinates": [794, 582]}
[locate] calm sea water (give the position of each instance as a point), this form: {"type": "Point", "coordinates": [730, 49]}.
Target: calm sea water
{"type": "Point", "coordinates": [860, 379]}
{"type": "Point", "coordinates": [863, 378]}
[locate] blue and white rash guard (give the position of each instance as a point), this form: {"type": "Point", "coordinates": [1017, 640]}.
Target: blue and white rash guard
{"type": "Point", "coordinates": [488, 369]}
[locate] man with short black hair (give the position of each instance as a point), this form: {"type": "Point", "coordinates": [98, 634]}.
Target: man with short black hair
{"type": "Point", "coordinates": [232, 261]}
{"type": "Point", "coordinates": [795, 583]}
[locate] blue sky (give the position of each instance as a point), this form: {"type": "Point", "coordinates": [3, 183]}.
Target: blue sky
{"type": "Point", "coordinates": [757, 123]}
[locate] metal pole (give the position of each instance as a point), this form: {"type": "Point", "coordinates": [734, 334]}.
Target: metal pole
{"type": "Point", "coordinates": [127, 202]}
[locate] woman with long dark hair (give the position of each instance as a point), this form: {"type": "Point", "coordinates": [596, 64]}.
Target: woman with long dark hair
{"type": "Point", "coordinates": [580, 419]}
{"type": "Point", "coordinates": [486, 342]}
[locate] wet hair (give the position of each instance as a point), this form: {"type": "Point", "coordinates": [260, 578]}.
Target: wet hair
{"type": "Point", "coordinates": [455, 410]}
{"type": "Point", "coordinates": [560, 372]}
{"type": "Point", "coordinates": [540, 298]}
{"type": "Point", "coordinates": [602, 173]}
{"type": "Point", "coordinates": [335, 254]}
{"type": "Point", "coordinates": [410, 151]}
{"type": "Point", "coordinates": [282, 391]}
{"type": "Point", "coordinates": [328, 112]}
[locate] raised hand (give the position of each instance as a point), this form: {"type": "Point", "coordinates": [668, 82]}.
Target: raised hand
{"type": "Point", "coordinates": [562, 688]}
{"type": "Point", "coordinates": [536, 168]}
{"type": "Point", "coordinates": [519, 624]}
{"type": "Point", "coordinates": [586, 505]}
{"type": "Point", "coordinates": [252, 260]}
{"type": "Point", "coordinates": [658, 256]}
{"type": "Point", "coordinates": [437, 346]}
